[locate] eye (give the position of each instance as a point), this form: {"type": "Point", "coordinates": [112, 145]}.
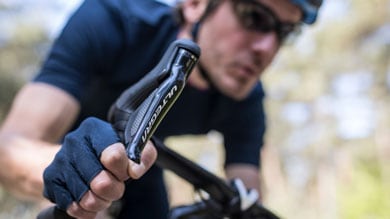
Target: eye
{"type": "Point", "coordinates": [255, 17]}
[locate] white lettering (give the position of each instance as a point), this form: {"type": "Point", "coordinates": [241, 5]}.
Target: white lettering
{"type": "Point", "coordinates": [157, 112]}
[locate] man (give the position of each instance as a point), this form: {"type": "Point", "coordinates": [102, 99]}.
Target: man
{"type": "Point", "coordinates": [106, 47]}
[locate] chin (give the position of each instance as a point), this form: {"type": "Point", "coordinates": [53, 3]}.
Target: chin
{"type": "Point", "coordinates": [234, 90]}
{"type": "Point", "coordinates": [239, 97]}
{"type": "Point", "coordinates": [236, 95]}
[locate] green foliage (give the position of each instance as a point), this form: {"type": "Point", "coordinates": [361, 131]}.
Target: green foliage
{"type": "Point", "coordinates": [8, 89]}
{"type": "Point", "coordinates": [20, 57]}
{"type": "Point", "coordinates": [366, 195]}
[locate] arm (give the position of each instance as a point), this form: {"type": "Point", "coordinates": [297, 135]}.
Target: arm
{"type": "Point", "coordinates": [41, 114]}
{"type": "Point", "coordinates": [29, 136]}
{"type": "Point", "coordinates": [244, 137]}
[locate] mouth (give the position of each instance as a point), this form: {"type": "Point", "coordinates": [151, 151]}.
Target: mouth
{"type": "Point", "coordinates": [245, 71]}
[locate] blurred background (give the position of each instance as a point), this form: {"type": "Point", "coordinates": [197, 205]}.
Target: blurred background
{"type": "Point", "coordinates": [327, 151]}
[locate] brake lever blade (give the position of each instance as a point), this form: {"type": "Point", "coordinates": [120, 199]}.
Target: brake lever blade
{"type": "Point", "coordinates": [139, 110]}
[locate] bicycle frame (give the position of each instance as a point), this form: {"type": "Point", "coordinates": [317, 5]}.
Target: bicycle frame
{"type": "Point", "coordinates": [223, 198]}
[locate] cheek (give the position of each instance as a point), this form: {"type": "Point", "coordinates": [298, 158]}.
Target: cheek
{"type": "Point", "coordinates": [214, 54]}
{"type": "Point", "coordinates": [221, 51]}
{"type": "Point", "coordinates": [219, 36]}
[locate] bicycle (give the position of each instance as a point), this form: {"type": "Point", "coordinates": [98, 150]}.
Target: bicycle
{"type": "Point", "coordinates": [142, 107]}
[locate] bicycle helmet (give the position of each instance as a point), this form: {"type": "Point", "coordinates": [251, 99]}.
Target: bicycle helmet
{"type": "Point", "coordinates": [309, 8]}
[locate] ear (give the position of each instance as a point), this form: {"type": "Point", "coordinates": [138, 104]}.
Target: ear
{"type": "Point", "coordinates": [193, 10]}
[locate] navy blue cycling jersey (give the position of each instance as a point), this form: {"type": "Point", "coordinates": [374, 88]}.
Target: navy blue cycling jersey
{"type": "Point", "coordinates": [106, 47]}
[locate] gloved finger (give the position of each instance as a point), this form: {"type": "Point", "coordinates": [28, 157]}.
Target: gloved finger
{"type": "Point", "coordinates": [115, 160]}
{"type": "Point", "coordinates": [62, 183]}
{"type": "Point", "coordinates": [148, 157]}
{"type": "Point", "coordinates": [107, 187]}
{"type": "Point", "coordinates": [84, 146]}
{"type": "Point", "coordinates": [98, 133]}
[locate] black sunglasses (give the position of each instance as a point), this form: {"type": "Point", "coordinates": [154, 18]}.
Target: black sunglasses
{"type": "Point", "coordinates": [256, 16]}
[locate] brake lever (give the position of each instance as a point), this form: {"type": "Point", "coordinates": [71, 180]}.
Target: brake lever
{"type": "Point", "coordinates": [139, 110]}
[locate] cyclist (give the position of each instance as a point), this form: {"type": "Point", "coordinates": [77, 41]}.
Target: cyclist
{"type": "Point", "coordinates": [107, 46]}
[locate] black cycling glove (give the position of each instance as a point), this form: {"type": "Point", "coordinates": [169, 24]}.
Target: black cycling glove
{"type": "Point", "coordinates": [68, 177]}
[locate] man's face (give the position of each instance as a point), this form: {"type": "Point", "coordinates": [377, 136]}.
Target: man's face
{"type": "Point", "coordinates": [233, 54]}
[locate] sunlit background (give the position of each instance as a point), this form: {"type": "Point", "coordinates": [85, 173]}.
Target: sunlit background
{"type": "Point", "coordinates": [327, 152]}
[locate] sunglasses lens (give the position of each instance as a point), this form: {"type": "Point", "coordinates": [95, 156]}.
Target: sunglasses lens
{"type": "Point", "coordinates": [255, 18]}
{"type": "Point", "coordinates": [258, 17]}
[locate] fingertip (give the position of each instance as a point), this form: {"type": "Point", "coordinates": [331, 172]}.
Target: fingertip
{"type": "Point", "coordinates": [135, 170]}
{"type": "Point", "coordinates": [148, 157]}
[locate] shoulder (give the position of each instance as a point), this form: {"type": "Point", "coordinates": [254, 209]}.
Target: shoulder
{"type": "Point", "coordinates": [149, 11]}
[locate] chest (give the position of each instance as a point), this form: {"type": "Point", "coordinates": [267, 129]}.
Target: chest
{"type": "Point", "coordinates": [195, 112]}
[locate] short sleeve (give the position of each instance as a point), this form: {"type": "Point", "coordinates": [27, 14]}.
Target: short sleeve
{"type": "Point", "coordinates": [87, 45]}
{"type": "Point", "coordinates": [244, 130]}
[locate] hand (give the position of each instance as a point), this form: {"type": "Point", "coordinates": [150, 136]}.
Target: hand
{"type": "Point", "coordinates": [108, 185]}
{"type": "Point", "coordinates": [89, 171]}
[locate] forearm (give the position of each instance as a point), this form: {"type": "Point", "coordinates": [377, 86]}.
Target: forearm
{"type": "Point", "coordinates": [22, 163]}
{"type": "Point", "coordinates": [40, 115]}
